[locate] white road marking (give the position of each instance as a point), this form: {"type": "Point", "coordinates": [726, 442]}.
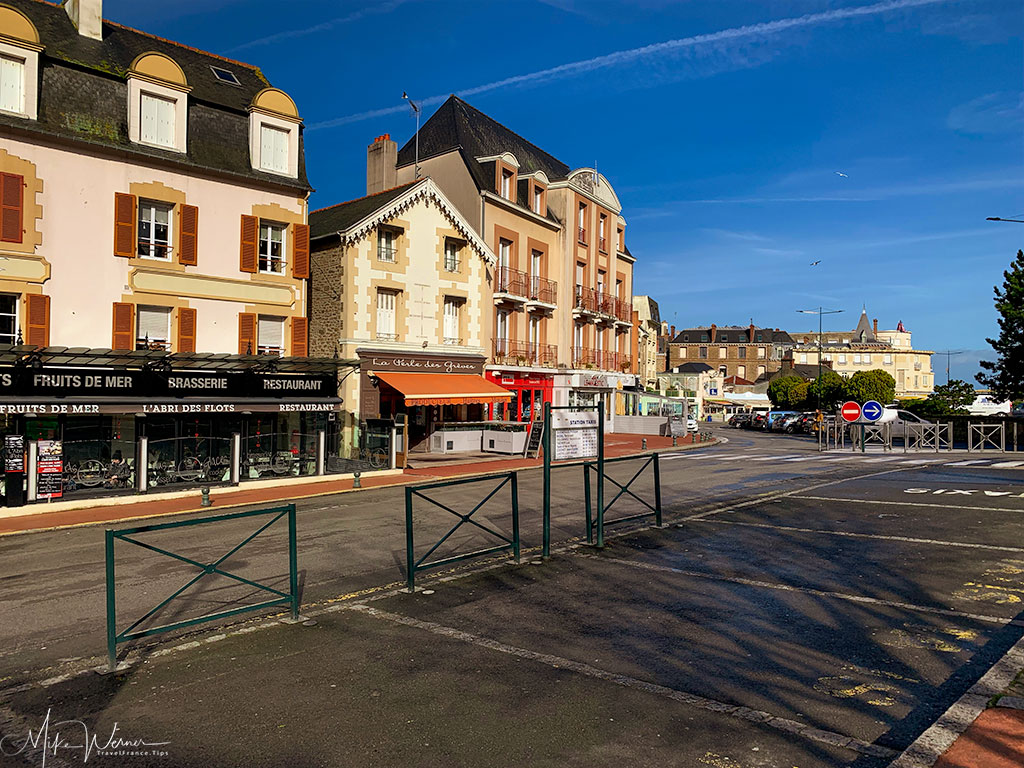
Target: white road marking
{"type": "Point", "coordinates": [783, 457]}
{"type": "Point", "coordinates": [817, 592]}
{"type": "Point", "coordinates": [967, 463]}
{"type": "Point", "coordinates": [733, 457]}
{"type": "Point", "coordinates": [909, 504]}
{"type": "Point", "coordinates": [1007, 464]}
{"type": "Point", "coordinates": [557, 662]}
{"type": "Point", "coordinates": [854, 535]}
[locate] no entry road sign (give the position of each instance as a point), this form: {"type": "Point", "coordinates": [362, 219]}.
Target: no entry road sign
{"type": "Point", "coordinates": [850, 411]}
{"type": "Point", "coordinates": [871, 410]}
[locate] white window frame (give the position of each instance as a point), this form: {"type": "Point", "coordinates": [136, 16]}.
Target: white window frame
{"type": "Point", "coordinates": [163, 338]}
{"type": "Point", "coordinates": [387, 310]}
{"type": "Point", "coordinates": [842, 359]}
{"type": "Point", "coordinates": [178, 96]}
{"type": "Point", "coordinates": [452, 251]}
{"type": "Point", "coordinates": [28, 54]}
{"type": "Point", "coordinates": [535, 332]}
{"type": "Point", "coordinates": [154, 205]}
{"type": "Point", "coordinates": [538, 197]}
{"type": "Point", "coordinates": [263, 348]}
{"type": "Point", "coordinates": [14, 315]}
{"type": "Point", "coordinates": [452, 327]}
{"type": "Point", "coordinates": [507, 178]}
{"type": "Point", "coordinates": [501, 331]}
{"type": "Point", "coordinates": [258, 119]}
{"type": "Point", "coordinates": [263, 253]}
{"type": "Point", "coordinates": [887, 360]}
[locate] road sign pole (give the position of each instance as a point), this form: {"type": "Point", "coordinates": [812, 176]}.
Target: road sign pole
{"type": "Point", "coordinates": [546, 546]}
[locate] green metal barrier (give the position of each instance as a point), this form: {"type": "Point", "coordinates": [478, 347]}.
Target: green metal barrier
{"type": "Point", "coordinates": [599, 523]}
{"type": "Point", "coordinates": [414, 566]}
{"type": "Point", "coordinates": [205, 569]}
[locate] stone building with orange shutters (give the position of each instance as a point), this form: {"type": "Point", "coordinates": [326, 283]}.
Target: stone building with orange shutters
{"type": "Point", "coordinates": [154, 250]}
{"type": "Point", "coordinates": [560, 325]}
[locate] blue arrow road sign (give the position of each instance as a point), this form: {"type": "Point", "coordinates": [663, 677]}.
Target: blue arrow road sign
{"type": "Point", "coordinates": [871, 410]}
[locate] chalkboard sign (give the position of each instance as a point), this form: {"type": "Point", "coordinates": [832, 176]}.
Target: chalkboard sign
{"type": "Point", "coordinates": [533, 441]}
{"type": "Point", "coordinates": [14, 453]}
{"type": "Point", "coordinates": [676, 428]}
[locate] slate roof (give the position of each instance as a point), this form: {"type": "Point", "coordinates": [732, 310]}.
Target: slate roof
{"type": "Point", "coordinates": [457, 125]}
{"type": "Point", "coordinates": [84, 95]}
{"type": "Point", "coordinates": [692, 368]}
{"type": "Point", "coordinates": [338, 218]}
{"type": "Point", "coordinates": [731, 334]}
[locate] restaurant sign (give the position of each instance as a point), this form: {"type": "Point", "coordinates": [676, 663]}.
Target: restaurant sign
{"type": "Point", "coordinates": [97, 382]}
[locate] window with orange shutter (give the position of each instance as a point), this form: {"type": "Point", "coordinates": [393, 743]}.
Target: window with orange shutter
{"type": "Point", "coordinates": [12, 195]}
{"type": "Point", "coordinates": [247, 261]}
{"type": "Point", "coordinates": [300, 251]}
{"type": "Point", "coordinates": [300, 337]}
{"type": "Point", "coordinates": [37, 316]}
{"type": "Point", "coordinates": [123, 326]}
{"type": "Point", "coordinates": [188, 236]}
{"type": "Point", "coordinates": [124, 225]}
{"type": "Point", "coordinates": [186, 330]}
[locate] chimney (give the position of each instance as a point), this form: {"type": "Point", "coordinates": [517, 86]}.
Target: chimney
{"type": "Point", "coordinates": [876, 325]}
{"type": "Point", "coordinates": [672, 333]}
{"type": "Point", "coordinates": [750, 331]}
{"type": "Point", "coordinates": [381, 159]}
{"type": "Point", "coordinates": [713, 329]}
{"type": "Point", "coordinates": [87, 16]}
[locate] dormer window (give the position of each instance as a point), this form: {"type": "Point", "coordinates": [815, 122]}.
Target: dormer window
{"type": "Point", "coordinates": [12, 84]}
{"type": "Point", "coordinates": [19, 64]}
{"type": "Point", "coordinates": [507, 178]}
{"type": "Point", "coordinates": [274, 133]}
{"type": "Point", "coordinates": [158, 120]}
{"type": "Point", "coordinates": [157, 103]}
{"type": "Point", "coordinates": [273, 149]}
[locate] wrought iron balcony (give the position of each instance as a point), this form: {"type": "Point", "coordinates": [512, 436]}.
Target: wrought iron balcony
{"type": "Point", "coordinates": [586, 299]}
{"type": "Point", "coordinates": [525, 353]}
{"type": "Point", "coordinates": [513, 282]}
{"type": "Point", "coordinates": [544, 290]}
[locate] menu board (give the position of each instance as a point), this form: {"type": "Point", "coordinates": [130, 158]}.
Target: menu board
{"type": "Point", "coordinates": [50, 469]}
{"type": "Point", "coordinates": [533, 441]}
{"type": "Point", "coordinates": [14, 453]}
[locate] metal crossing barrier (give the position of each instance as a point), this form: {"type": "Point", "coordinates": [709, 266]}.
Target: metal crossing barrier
{"type": "Point", "coordinates": [415, 565]}
{"type": "Point", "coordinates": [928, 437]}
{"type": "Point", "coordinates": [291, 597]}
{"type": "Point", "coordinates": [602, 509]}
{"type": "Point", "coordinates": [986, 437]}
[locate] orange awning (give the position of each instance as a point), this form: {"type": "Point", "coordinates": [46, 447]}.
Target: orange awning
{"type": "Point", "coordinates": [444, 388]}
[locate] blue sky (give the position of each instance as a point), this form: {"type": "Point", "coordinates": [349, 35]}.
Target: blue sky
{"type": "Point", "coordinates": [722, 125]}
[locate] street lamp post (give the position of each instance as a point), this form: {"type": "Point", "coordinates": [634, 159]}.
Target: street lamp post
{"type": "Point", "coordinates": [820, 311]}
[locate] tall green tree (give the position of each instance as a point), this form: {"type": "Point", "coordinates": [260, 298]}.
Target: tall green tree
{"type": "Point", "coordinates": [1005, 375]}
{"type": "Point", "coordinates": [832, 388]}
{"type": "Point", "coordinates": [871, 385]}
{"type": "Point", "coordinates": [954, 396]}
{"type": "Point", "coordinates": [781, 390]}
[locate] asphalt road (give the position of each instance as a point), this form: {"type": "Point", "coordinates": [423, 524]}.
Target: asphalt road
{"type": "Point", "coordinates": [799, 610]}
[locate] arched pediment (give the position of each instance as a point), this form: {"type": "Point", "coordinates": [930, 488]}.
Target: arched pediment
{"type": "Point", "coordinates": [597, 186]}
{"type": "Point", "coordinates": [159, 67]}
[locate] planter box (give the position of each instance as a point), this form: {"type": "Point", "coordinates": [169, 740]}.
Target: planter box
{"type": "Point", "coordinates": [455, 440]}
{"type": "Point", "coordinates": [500, 441]}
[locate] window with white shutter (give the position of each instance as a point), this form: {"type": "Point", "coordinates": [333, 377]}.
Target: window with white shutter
{"type": "Point", "coordinates": [451, 321]}
{"type": "Point", "coordinates": [153, 328]}
{"type": "Point", "coordinates": [157, 125]}
{"type": "Point", "coordinates": [270, 335]}
{"type": "Point", "coordinates": [12, 84]}
{"type": "Point", "coordinates": [273, 149]}
{"type": "Point", "coordinates": [386, 316]}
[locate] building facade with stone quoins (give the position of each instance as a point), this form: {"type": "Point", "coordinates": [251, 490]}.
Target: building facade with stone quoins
{"type": "Point", "coordinates": [153, 214]}
{"type": "Point", "coordinates": [560, 323]}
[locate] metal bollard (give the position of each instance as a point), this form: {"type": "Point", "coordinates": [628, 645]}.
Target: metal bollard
{"type": "Point", "coordinates": [355, 479]}
{"type": "Point", "coordinates": [675, 441]}
{"type": "Point", "coordinates": [205, 495]}
{"type": "Point", "coordinates": [643, 443]}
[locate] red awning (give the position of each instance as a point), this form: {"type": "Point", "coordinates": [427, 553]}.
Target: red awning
{"type": "Point", "coordinates": [444, 388]}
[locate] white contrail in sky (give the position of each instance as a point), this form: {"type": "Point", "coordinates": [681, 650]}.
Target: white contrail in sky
{"type": "Point", "coordinates": [323, 26]}
{"type": "Point", "coordinates": [572, 69]}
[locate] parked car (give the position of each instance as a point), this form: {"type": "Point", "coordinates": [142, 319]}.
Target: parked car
{"type": "Point", "coordinates": [899, 419]}
{"type": "Point", "coordinates": [691, 425]}
{"type": "Point", "coordinates": [757, 421]}
{"type": "Point", "coordinates": [740, 420]}
{"type": "Point", "coordinates": [774, 421]}
{"type": "Point", "coordinates": [801, 423]}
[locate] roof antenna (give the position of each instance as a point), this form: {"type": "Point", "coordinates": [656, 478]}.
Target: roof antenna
{"type": "Point", "coordinates": [595, 174]}
{"type": "Point", "coordinates": [416, 111]}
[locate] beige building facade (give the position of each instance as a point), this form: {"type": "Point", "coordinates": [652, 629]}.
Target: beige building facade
{"type": "Point", "coordinates": [649, 363]}
{"type": "Point", "coordinates": [401, 282]}
{"type": "Point", "coordinates": [560, 324]}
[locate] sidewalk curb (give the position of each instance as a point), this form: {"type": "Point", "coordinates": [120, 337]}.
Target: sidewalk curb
{"type": "Point", "coordinates": [935, 741]}
{"type": "Point", "coordinates": [401, 484]}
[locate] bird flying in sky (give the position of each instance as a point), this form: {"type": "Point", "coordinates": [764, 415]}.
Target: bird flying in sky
{"type": "Point", "coordinates": [816, 263]}
{"type": "Point", "coordinates": [840, 173]}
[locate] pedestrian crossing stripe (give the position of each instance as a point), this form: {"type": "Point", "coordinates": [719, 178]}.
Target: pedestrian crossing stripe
{"type": "Point", "coordinates": [863, 458]}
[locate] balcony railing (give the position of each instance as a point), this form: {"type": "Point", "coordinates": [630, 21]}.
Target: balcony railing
{"type": "Point", "coordinates": [386, 253]}
{"type": "Point", "coordinates": [582, 235]}
{"type": "Point", "coordinates": [387, 337]}
{"type": "Point", "coordinates": [623, 311]}
{"type": "Point", "coordinates": [542, 289]}
{"type": "Point", "coordinates": [585, 357]}
{"type": "Point", "coordinates": [606, 303]}
{"type": "Point", "coordinates": [586, 299]}
{"type": "Point", "coordinates": [451, 264]}
{"type": "Point", "coordinates": [510, 352]}
{"type": "Point", "coordinates": [511, 281]}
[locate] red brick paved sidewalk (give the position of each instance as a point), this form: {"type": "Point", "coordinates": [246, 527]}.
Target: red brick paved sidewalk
{"type": "Point", "coordinates": [35, 519]}
{"type": "Point", "coordinates": [994, 740]}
